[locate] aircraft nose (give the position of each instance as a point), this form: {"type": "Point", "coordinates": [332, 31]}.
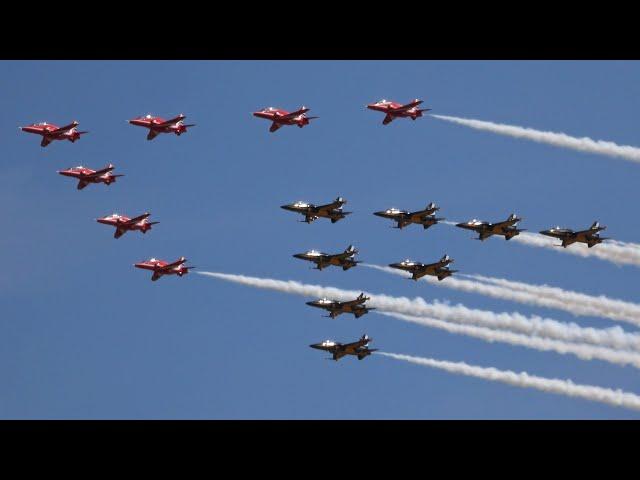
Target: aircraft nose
{"type": "Point", "coordinates": [315, 345]}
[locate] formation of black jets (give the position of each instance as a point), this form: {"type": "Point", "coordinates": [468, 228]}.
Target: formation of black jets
{"type": "Point", "coordinates": [426, 217]}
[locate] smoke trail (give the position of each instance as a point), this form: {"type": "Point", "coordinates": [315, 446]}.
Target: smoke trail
{"type": "Point", "coordinates": [537, 295]}
{"type": "Point", "coordinates": [582, 351]}
{"type": "Point", "coordinates": [570, 301]}
{"type": "Point", "coordinates": [617, 398]}
{"type": "Point", "coordinates": [620, 253]}
{"type": "Point", "coordinates": [562, 140]}
{"type": "Point", "coordinates": [614, 337]}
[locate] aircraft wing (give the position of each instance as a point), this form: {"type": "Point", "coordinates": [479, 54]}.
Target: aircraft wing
{"type": "Point", "coordinates": [102, 171]}
{"type": "Point", "coordinates": [274, 126]}
{"type": "Point", "coordinates": [152, 134]}
{"type": "Point", "coordinates": [172, 265]}
{"type": "Point", "coordinates": [408, 106]}
{"type": "Point", "coordinates": [295, 114]}
{"type": "Point", "coordinates": [138, 218]}
{"type": "Point", "coordinates": [339, 354]}
{"type": "Point", "coordinates": [171, 121]}
{"type": "Point", "coordinates": [66, 128]}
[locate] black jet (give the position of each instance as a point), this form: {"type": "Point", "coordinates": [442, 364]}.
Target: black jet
{"type": "Point", "coordinates": [344, 259]}
{"type": "Point", "coordinates": [419, 270]}
{"type": "Point", "coordinates": [568, 236]}
{"type": "Point", "coordinates": [312, 212]}
{"type": "Point", "coordinates": [335, 307]}
{"type": "Point", "coordinates": [338, 350]}
{"type": "Point", "coordinates": [403, 217]}
{"type": "Point", "coordinates": [506, 228]}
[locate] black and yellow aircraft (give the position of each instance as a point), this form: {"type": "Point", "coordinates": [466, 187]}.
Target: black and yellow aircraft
{"type": "Point", "coordinates": [312, 212]}
{"type": "Point", "coordinates": [419, 270]}
{"type": "Point", "coordinates": [403, 217]}
{"type": "Point", "coordinates": [568, 236]}
{"type": "Point", "coordinates": [344, 259]}
{"type": "Point", "coordinates": [335, 307]}
{"type": "Point", "coordinates": [506, 228]}
{"type": "Point", "coordinates": [338, 350]}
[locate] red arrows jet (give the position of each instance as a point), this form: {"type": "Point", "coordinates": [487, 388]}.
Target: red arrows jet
{"type": "Point", "coordinates": [51, 132]}
{"type": "Point", "coordinates": [86, 175]}
{"type": "Point", "coordinates": [160, 267]}
{"type": "Point", "coordinates": [394, 109]}
{"type": "Point", "coordinates": [281, 117]}
{"type": "Point", "coordinates": [124, 224]}
{"type": "Point", "coordinates": [158, 125]}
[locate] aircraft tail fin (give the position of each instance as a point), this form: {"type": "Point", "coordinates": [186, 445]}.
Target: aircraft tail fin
{"type": "Point", "coordinates": [596, 225]}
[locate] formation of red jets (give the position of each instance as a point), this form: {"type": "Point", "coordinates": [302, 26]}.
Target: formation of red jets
{"type": "Point", "coordinates": [156, 125]}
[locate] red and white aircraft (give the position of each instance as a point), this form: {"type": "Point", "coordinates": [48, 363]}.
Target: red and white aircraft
{"type": "Point", "coordinates": [160, 267]}
{"type": "Point", "coordinates": [281, 117]}
{"type": "Point", "coordinates": [51, 132]}
{"type": "Point", "coordinates": [86, 175]}
{"type": "Point", "coordinates": [124, 224]}
{"type": "Point", "coordinates": [158, 125]}
{"type": "Point", "coordinates": [394, 109]}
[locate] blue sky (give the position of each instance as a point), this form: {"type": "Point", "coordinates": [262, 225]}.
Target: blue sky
{"type": "Point", "coordinates": [85, 335]}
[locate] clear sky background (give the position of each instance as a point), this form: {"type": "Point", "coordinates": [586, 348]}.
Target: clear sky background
{"type": "Point", "coordinates": [83, 334]}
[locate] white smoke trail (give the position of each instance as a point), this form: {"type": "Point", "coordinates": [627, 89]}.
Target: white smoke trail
{"type": "Point", "coordinates": [617, 398]}
{"type": "Point", "coordinates": [614, 337]}
{"type": "Point", "coordinates": [620, 253]}
{"type": "Point", "coordinates": [573, 302]}
{"type": "Point", "coordinates": [580, 350]}
{"type": "Point", "coordinates": [537, 295]}
{"type": "Point", "coordinates": [562, 140]}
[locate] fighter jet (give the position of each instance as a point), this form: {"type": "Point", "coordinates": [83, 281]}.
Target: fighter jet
{"type": "Point", "coordinates": [394, 110]}
{"type": "Point", "coordinates": [335, 308]}
{"type": "Point", "coordinates": [338, 350]}
{"type": "Point", "coordinates": [124, 224]}
{"type": "Point", "coordinates": [312, 212]}
{"type": "Point", "coordinates": [160, 267]}
{"type": "Point", "coordinates": [568, 236]}
{"type": "Point", "coordinates": [419, 270]}
{"type": "Point", "coordinates": [486, 229]}
{"type": "Point", "coordinates": [344, 259]}
{"type": "Point", "coordinates": [86, 175]}
{"type": "Point", "coordinates": [157, 125]}
{"type": "Point", "coordinates": [403, 217]}
{"type": "Point", "coordinates": [281, 117]}
{"type": "Point", "coordinates": [51, 132]}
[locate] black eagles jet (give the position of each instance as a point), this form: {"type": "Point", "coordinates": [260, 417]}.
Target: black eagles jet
{"type": "Point", "coordinates": [403, 217]}
{"type": "Point", "coordinates": [338, 350]}
{"type": "Point", "coordinates": [312, 212]}
{"type": "Point", "coordinates": [344, 259]}
{"type": "Point", "coordinates": [485, 229]}
{"type": "Point", "coordinates": [568, 236]}
{"type": "Point", "coordinates": [335, 308]}
{"type": "Point", "coordinates": [419, 270]}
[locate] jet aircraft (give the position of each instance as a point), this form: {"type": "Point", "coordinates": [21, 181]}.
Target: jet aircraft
{"type": "Point", "coordinates": [359, 348]}
{"type": "Point", "coordinates": [344, 259]}
{"type": "Point", "coordinates": [418, 270]}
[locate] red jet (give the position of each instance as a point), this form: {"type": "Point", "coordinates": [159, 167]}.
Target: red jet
{"type": "Point", "coordinates": [394, 109]}
{"type": "Point", "coordinates": [160, 267]}
{"type": "Point", "coordinates": [282, 117]}
{"type": "Point", "coordinates": [86, 175]}
{"type": "Point", "coordinates": [158, 125]}
{"type": "Point", "coordinates": [124, 224]}
{"type": "Point", "coordinates": [51, 132]}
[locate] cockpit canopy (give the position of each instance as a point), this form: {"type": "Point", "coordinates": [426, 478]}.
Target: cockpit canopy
{"type": "Point", "coordinates": [325, 300]}
{"type": "Point", "coordinates": [474, 221]}
{"type": "Point", "coordinates": [314, 253]}
{"type": "Point", "coordinates": [301, 204]}
{"type": "Point", "coordinates": [393, 210]}
{"type": "Point", "coordinates": [328, 343]}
